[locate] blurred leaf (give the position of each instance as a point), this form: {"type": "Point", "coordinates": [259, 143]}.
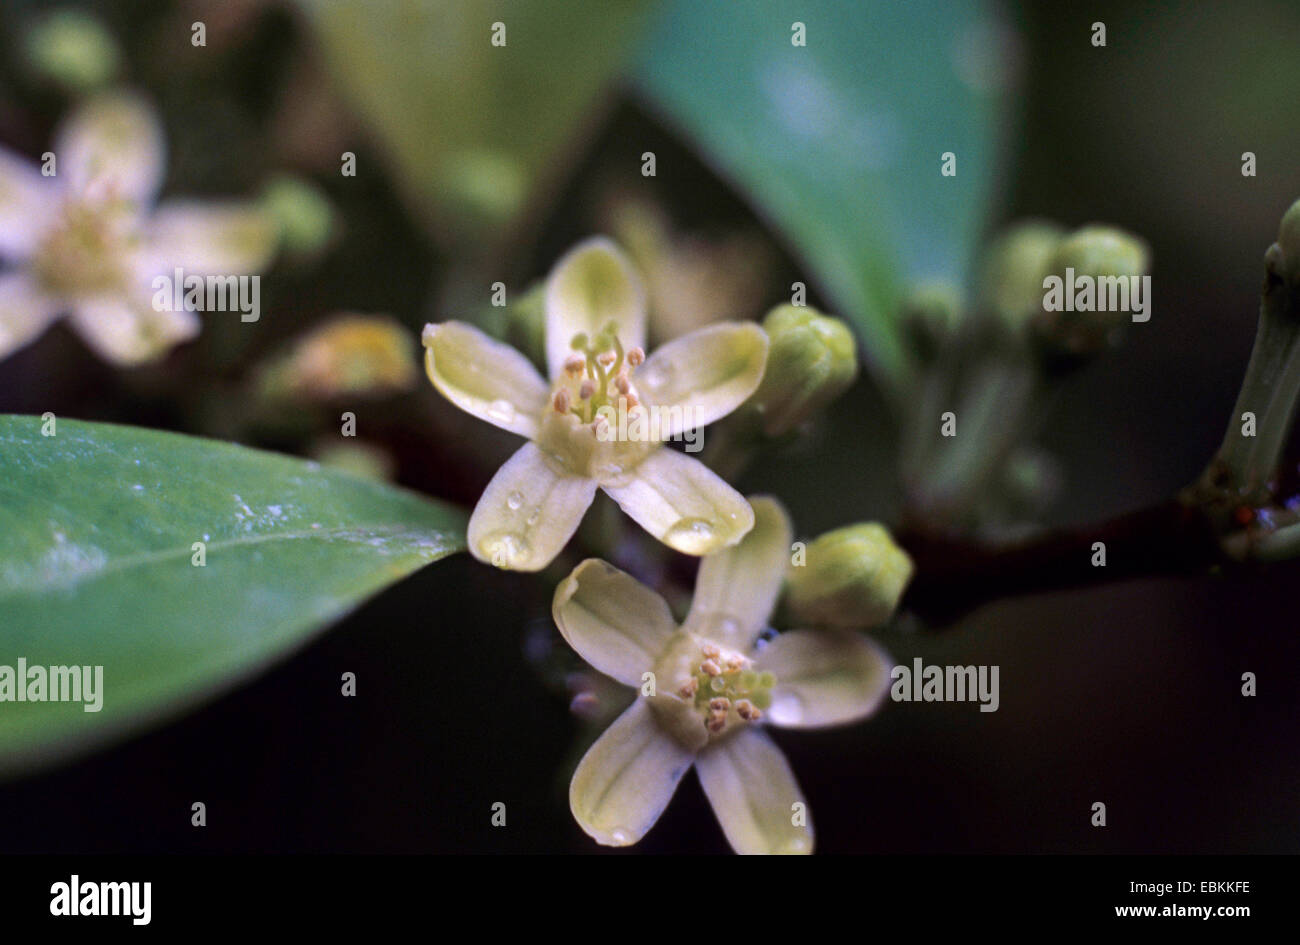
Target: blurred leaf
{"type": "Point", "coordinates": [839, 143]}
{"type": "Point", "coordinates": [473, 129]}
{"type": "Point", "coordinates": [97, 525]}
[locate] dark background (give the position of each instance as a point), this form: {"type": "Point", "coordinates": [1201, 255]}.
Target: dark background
{"type": "Point", "coordinates": [1128, 694]}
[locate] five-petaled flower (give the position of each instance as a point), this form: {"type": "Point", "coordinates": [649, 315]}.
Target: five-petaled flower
{"type": "Point", "coordinates": [595, 327]}
{"type": "Point", "coordinates": [713, 687]}
{"type": "Point", "coordinates": [82, 236]}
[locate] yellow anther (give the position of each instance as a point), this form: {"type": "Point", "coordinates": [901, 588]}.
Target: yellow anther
{"type": "Point", "coordinates": [710, 668]}
{"type": "Point", "coordinates": [720, 704]}
{"type": "Point", "coordinates": [710, 651]}
{"type": "Point", "coordinates": [748, 711]}
{"type": "Point", "coordinates": [689, 688]}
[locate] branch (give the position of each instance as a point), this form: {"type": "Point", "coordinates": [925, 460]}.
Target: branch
{"type": "Point", "coordinates": [955, 575]}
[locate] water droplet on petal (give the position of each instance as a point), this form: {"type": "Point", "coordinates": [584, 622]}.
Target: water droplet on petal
{"type": "Point", "coordinates": [655, 375]}
{"type": "Point", "coordinates": [505, 550]}
{"type": "Point", "coordinates": [692, 536]}
{"type": "Point", "coordinates": [535, 515]}
{"type": "Point", "coordinates": [787, 709]}
{"type": "Point", "coordinates": [799, 844]}
{"type": "Point", "coordinates": [501, 410]}
{"type": "Point", "coordinates": [620, 837]}
{"type": "Point", "coordinates": [514, 500]}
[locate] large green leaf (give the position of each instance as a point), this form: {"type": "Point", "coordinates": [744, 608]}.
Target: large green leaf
{"type": "Point", "coordinates": [839, 142]}
{"type": "Point", "coordinates": [473, 129]}
{"type": "Point", "coordinates": [97, 527]}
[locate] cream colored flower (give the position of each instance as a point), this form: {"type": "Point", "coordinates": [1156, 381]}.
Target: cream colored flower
{"type": "Point", "coordinates": [88, 241]}
{"type": "Point", "coordinates": [714, 687]}
{"type": "Point", "coordinates": [602, 386]}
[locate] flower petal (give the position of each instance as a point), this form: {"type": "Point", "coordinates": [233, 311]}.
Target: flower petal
{"type": "Point", "coordinates": [703, 376]}
{"type": "Point", "coordinates": [528, 512]}
{"type": "Point", "coordinates": [128, 334]}
{"type": "Point", "coordinates": [754, 793]}
{"type": "Point", "coordinates": [28, 203]}
{"type": "Point", "coordinates": [683, 503]}
{"type": "Point", "coordinates": [113, 145]}
{"type": "Point", "coordinates": [25, 312]}
{"type": "Point", "coordinates": [737, 587]}
{"type": "Point", "coordinates": [592, 284]}
{"type": "Point", "coordinates": [612, 620]}
{"type": "Point", "coordinates": [823, 678]}
{"type": "Point", "coordinates": [485, 377]}
{"type": "Point", "coordinates": [627, 778]}
{"type": "Point", "coordinates": [208, 238]}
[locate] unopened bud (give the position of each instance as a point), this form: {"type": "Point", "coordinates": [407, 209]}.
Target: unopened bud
{"type": "Point", "coordinates": [853, 577]}
{"type": "Point", "coordinates": [812, 359]}
{"type": "Point", "coordinates": [1099, 264]}
{"type": "Point", "coordinates": [1011, 282]}
{"type": "Point", "coordinates": [302, 213]}
{"type": "Point", "coordinates": [930, 317]}
{"type": "Point", "coordinates": [1283, 257]}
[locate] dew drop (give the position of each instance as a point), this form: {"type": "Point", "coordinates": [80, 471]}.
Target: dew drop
{"type": "Point", "coordinates": [692, 536]}
{"type": "Point", "coordinates": [787, 709]}
{"type": "Point", "coordinates": [505, 550]}
{"type": "Point", "coordinates": [620, 837]}
{"type": "Point", "coordinates": [514, 500]}
{"type": "Point", "coordinates": [501, 410]}
{"type": "Point", "coordinates": [655, 375]}
{"type": "Point", "coordinates": [535, 515]}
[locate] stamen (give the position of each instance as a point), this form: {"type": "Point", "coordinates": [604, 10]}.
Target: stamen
{"type": "Point", "coordinates": [748, 711]}
{"type": "Point", "coordinates": [636, 357]}
{"type": "Point", "coordinates": [623, 384]}
{"type": "Point", "coordinates": [574, 365]}
{"type": "Point", "coordinates": [710, 651]}
{"type": "Point", "coordinates": [689, 688]}
{"type": "Point", "coordinates": [561, 402]}
{"type": "Point", "coordinates": [587, 389]}
{"type": "Point", "coordinates": [710, 668]}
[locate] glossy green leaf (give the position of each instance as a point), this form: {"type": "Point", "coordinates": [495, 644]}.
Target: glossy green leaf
{"type": "Point", "coordinates": [475, 130]}
{"type": "Point", "coordinates": [98, 526]}
{"type": "Point", "coordinates": [839, 142]}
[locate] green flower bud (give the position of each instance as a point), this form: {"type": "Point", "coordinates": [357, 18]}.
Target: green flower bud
{"type": "Point", "coordinates": [812, 359]}
{"type": "Point", "coordinates": [74, 49]}
{"type": "Point", "coordinates": [1011, 281]}
{"type": "Point", "coordinates": [302, 213]}
{"type": "Point", "coordinates": [930, 317]}
{"type": "Point", "coordinates": [1100, 255]}
{"type": "Point", "coordinates": [852, 577]}
{"type": "Point", "coordinates": [1283, 257]}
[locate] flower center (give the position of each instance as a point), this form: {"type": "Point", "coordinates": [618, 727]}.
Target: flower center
{"type": "Point", "coordinates": [597, 377]}
{"type": "Point", "coordinates": [85, 252]}
{"type": "Point", "coordinates": [725, 689]}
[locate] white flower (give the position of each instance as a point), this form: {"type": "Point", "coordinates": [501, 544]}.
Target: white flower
{"type": "Point", "coordinates": [714, 689]}
{"type": "Point", "coordinates": [595, 327]}
{"type": "Point", "coordinates": [88, 241]}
